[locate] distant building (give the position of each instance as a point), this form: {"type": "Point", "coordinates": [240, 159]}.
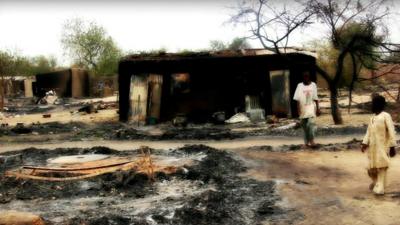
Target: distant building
{"type": "Point", "coordinates": [160, 87]}
{"type": "Point", "coordinates": [103, 86]}
{"type": "Point", "coordinates": [71, 82]}
{"type": "Point", "coordinates": [17, 86]}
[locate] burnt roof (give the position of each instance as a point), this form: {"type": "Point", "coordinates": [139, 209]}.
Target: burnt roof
{"type": "Point", "coordinates": [222, 61]}
{"type": "Point", "coordinates": [161, 56]}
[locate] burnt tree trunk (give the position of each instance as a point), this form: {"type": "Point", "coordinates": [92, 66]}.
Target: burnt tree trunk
{"type": "Point", "coordinates": [335, 111]}
{"type": "Point", "coordinates": [333, 87]}
{"type": "Point", "coordinates": [353, 81]}
{"type": "Point", "coordinates": [398, 93]}
{"type": "Point", "coordinates": [2, 93]}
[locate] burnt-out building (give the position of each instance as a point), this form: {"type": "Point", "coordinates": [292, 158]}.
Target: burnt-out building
{"type": "Point", "coordinates": [160, 87]}
{"type": "Point", "coordinates": [73, 82]}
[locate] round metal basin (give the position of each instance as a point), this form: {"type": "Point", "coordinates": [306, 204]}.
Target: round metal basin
{"type": "Point", "coordinates": [73, 159]}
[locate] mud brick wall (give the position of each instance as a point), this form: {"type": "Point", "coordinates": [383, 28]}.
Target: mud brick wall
{"type": "Point", "coordinates": [59, 81]}
{"type": "Point", "coordinates": [67, 83]}
{"type": "Point", "coordinates": [28, 87]}
{"type": "Point", "coordinates": [80, 83]}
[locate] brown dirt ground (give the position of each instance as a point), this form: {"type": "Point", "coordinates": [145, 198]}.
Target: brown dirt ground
{"type": "Point", "coordinates": [110, 115]}
{"type": "Point", "coordinates": [328, 187]}
{"type": "Point", "coordinates": [107, 115]}
{"type": "Point", "coordinates": [353, 119]}
{"type": "Point", "coordinates": [123, 145]}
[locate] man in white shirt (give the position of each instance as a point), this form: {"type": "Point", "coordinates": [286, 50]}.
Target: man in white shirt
{"type": "Point", "coordinates": [307, 104]}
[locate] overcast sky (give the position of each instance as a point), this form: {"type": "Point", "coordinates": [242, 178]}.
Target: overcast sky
{"type": "Point", "coordinates": [34, 27]}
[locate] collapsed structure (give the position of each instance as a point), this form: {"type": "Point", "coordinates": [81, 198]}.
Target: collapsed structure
{"type": "Point", "coordinates": [160, 87]}
{"type": "Point", "coordinates": [71, 82]}
{"type": "Point", "coordinates": [17, 85]}
{"type": "Point", "coordinates": [75, 83]}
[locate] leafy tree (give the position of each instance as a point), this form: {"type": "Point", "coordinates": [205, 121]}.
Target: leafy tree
{"type": "Point", "coordinates": [6, 63]}
{"type": "Point", "coordinates": [43, 64]}
{"type": "Point", "coordinates": [236, 44]}
{"type": "Point", "coordinates": [90, 46]}
{"type": "Point", "coordinates": [327, 55]}
{"type": "Point", "coordinates": [217, 45]}
{"type": "Point", "coordinates": [353, 33]}
{"type": "Point", "coordinates": [108, 61]}
{"type": "Point", "coordinates": [10, 64]}
{"type": "Point", "coordinates": [239, 43]}
{"type": "Point", "coordinates": [13, 64]}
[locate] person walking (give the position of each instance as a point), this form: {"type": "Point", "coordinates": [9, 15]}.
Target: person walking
{"type": "Point", "coordinates": [380, 140]}
{"type": "Point", "coordinates": [306, 96]}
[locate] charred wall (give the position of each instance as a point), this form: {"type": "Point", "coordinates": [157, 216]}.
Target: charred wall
{"type": "Point", "coordinates": [66, 83]}
{"type": "Point", "coordinates": [59, 81]}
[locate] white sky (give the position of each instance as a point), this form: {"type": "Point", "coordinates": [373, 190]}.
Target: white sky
{"type": "Point", "coordinates": [33, 27]}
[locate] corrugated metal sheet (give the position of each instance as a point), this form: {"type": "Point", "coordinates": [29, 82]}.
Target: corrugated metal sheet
{"type": "Point", "coordinates": [155, 90]}
{"type": "Point", "coordinates": [138, 98]}
{"type": "Point", "coordinates": [280, 91]}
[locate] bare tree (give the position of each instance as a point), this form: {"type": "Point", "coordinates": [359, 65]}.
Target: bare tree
{"type": "Point", "coordinates": [368, 40]}
{"type": "Point", "coordinates": [355, 29]}
{"type": "Point", "coordinates": [271, 24]}
{"type": "Point", "coordinates": [383, 71]}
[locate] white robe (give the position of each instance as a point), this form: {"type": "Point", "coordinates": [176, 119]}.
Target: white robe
{"type": "Point", "coordinates": [380, 137]}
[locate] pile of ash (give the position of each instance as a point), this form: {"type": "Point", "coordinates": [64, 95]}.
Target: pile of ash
{"type": "Point", "coordinates": [208, 191]}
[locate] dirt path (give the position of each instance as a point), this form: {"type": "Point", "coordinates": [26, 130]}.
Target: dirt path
{"type": "Point", "coordinates": [64, 116]}
{"type": "Point", "coordinates": [224, 144]}
{"type": "Point", "coordinates": [328, 187]}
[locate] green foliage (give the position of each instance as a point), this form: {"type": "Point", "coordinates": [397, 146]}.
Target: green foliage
{"type": "Point", "coordinates": [13, 64]}
{"type": "Point", "coordinates": [153, 52]}
{"type": "Point", "coordinates": [108, 61]}
{"type": "Point", "coordinates": [360, 39]}
{"type": "Point", "coordinates": [186, 51]}
{"type": "Point", "coordinates": [327, 59]}
{"type": "Point", "coordinates": [239, 43]}
{"type": "Point", "coordinates": [90, 46]}
{"type": "Point", "coordinates": [6, 63]}
{"type": "Point", "coordinates": [42, 64]}
{"type": "Point", "coordinates": [236, 44]}
{"type": "Point", "coordinates": [217, 45]}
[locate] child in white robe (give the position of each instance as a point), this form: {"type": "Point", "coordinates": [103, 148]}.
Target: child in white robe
{"type": "Point", "coordinates": [380, 141]}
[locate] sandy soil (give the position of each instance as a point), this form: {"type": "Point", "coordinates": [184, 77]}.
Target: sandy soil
{"type": "Point", "coordinates": [328, 187]}
{"type": "Point", "coordinates": [358, 97]}
{"type": "Point", "coordinates": [109, 115]}
{"type": "Point", "coordinates": [353, 119]}
{"type": "Point", "coordinates": [235, 144]}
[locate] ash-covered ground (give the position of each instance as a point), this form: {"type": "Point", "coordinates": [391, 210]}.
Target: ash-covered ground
{"type": "Point", "coordinates": [76, 131]}
{"type": "Point", "coordinates": [273, 181]}
{"type": "Point", "coordinates": [210, 191]}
